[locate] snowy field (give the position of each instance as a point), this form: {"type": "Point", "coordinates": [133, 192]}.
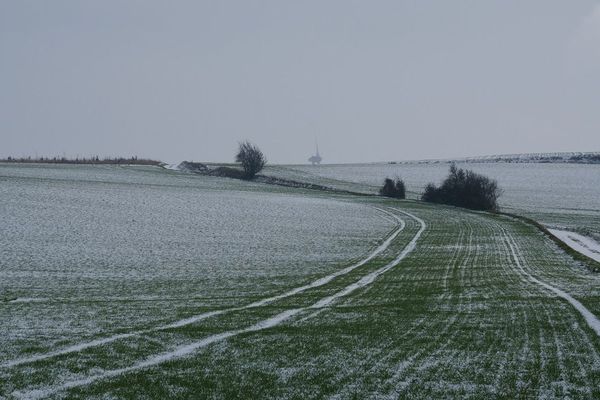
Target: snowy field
{"type": "Point", "coordinates": [146, 283]}
{"type": "Point", "coordinates": [558, 195]}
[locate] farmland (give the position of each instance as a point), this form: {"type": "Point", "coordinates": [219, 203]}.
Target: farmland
{"type": "Point", "coordinates": [136, 282]}
{"type": "Point", "coordinates": [557, 195]}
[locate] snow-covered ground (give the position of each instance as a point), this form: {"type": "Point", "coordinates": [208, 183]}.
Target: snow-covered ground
{"type": "Point", "coordinates": [189, 349]}
{"type": "Point", "coordinates": [582, 244]}
{"type": "Point", "coordinates": [87, 250]}
{"type": "Point", "coordinates": [557, 195]}
{"type": "Point", "coordinates": [535, 186]}
{"type": "Point", "coordinates": [184, 286]}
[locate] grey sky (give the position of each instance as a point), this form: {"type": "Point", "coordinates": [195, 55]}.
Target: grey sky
{"type": "Point", "coordinates": [372, 80]}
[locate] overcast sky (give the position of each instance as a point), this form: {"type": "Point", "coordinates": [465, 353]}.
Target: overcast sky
{"type": "Point", "coordinates": [371, 80]}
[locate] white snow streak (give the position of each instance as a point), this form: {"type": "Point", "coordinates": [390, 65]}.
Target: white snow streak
{"type": "Point", "coordinates": [580, 243]}
{"type": "Point", "coordinates": [186, 350]}
{"type": "Point", "coordinates": [29, 300]}
{"type": "Point", "coordinates": [172, 167]}
{"type": "Point", "coordinates": [367, 279]}
{"type": "Point", "coordinates": [196, 318]}
{"type": "Point", "coordinates": [590, 318]}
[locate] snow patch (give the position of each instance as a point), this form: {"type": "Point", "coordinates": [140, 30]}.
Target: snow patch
{"type": "Point", "coordinates": [580, 243]}
{"type": "Point", "coordinates": [29, 300]}
{"type": "Point", "coordinates": [172, 167]}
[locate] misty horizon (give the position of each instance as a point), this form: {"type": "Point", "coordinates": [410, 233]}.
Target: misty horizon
{"type": "Point", "coordinates": [115, 157]}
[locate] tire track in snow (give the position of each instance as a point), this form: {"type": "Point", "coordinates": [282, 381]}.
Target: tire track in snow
{"type": "Point", "coordinates": [592, 321]}
{"type": "Point", "coordinates": [414, 367]}
{"type": "Point", "coordinates": [369, 278]}
{"type": "Point", "coordinates": [560, 347]}
{"type": "Point", "coordinates": [186, 350]}
{"type": "Point", "coordinates": [453, 259]}
{"type": "Point", "coordinates": [395, 362]}
{"type": "Point", "coordinates": [390, 363]}
{"type": "Point", "coordinates": [196, 318]}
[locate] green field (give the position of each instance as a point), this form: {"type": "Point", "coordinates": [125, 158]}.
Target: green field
{"type": "Point", "coordinates": [145, 283]}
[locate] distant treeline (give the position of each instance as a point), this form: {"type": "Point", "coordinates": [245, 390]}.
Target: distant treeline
{"type": "Point", "coordinates": [585, 158]}
{"type": "Point", "coordinates": [83, 160]}
{"type": "Point", "coordinates": [572, 159]}
{"type": "Point", "coordinates": [533, 158]}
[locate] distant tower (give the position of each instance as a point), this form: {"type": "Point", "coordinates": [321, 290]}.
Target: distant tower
{"type": "Point", "coordinates": [316, 159]}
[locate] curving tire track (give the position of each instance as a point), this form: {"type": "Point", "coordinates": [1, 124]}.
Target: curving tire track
{"type": "Point", "coordinates": [592, 321]}
{"type": "Point", "coordinates": [189, 349]}
{"type": "Point", "coordinates": [196, 318]}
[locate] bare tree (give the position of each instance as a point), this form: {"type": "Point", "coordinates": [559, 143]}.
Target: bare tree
{"type": "Point", "coordinates": [251, 158]}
